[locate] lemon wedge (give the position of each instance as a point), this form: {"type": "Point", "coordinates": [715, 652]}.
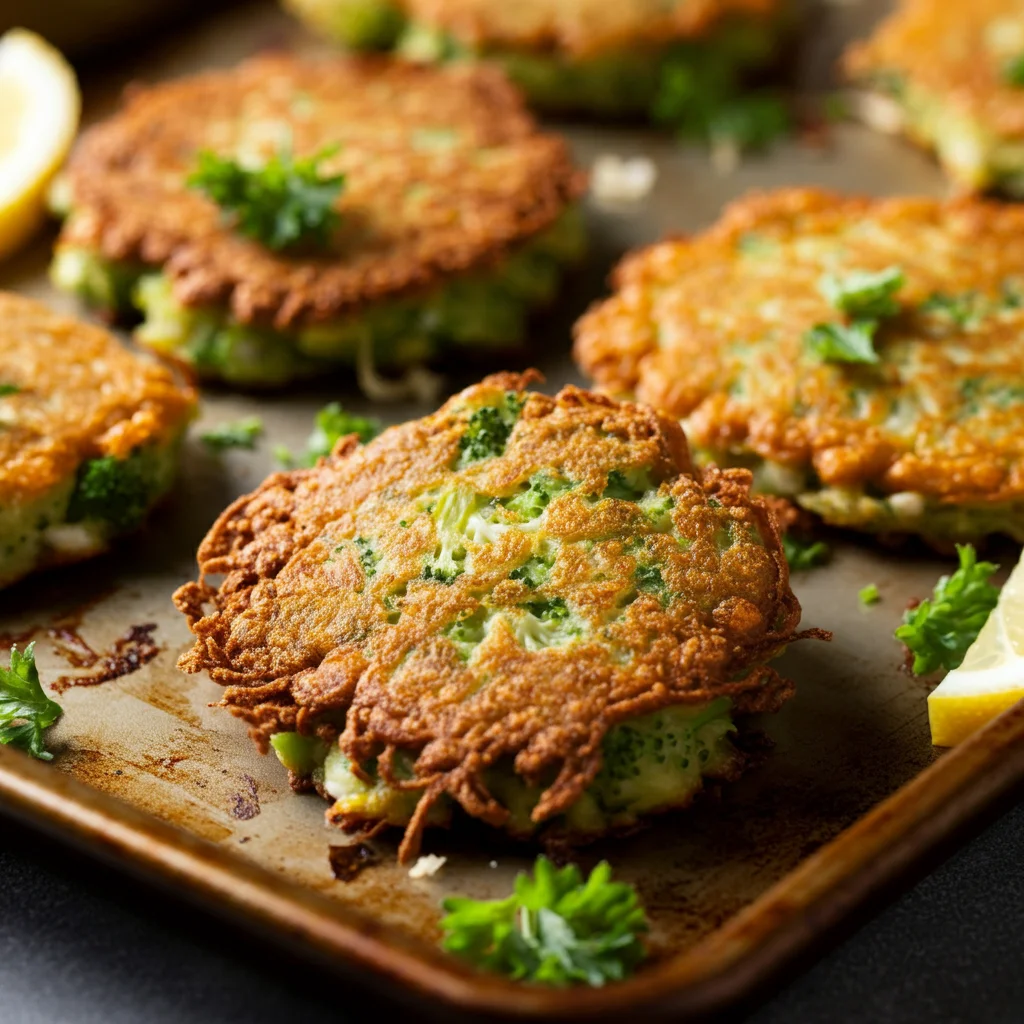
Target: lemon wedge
{"type": "Point", "coordinates": [991, 676]}
{"type": "Point", "coordinates": [39, 109]}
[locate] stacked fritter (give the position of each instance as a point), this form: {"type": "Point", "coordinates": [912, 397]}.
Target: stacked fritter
{"type": "Point", "coordinates": [951, 75]}
{"type": "Point", "coordinates": [533, 608]}
{"type": "Point", "coordinates": [454, 219]}
{"type": "Point", "coordinates": [861, 357]}
{"type": "Point", "coordinates": [587, 55]}
{"type": "Point", "coordinates": [89, 436]}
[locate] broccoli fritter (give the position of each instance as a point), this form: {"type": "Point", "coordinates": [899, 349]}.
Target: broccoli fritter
{"type": "Point", "coordinates": [638, 57]}
{"type": "Point", "coordinates": [951, 76]}
{"type": "Point", "coordinates": [206, 204]}
{"type": "Point", "coordinates": [552, 632]}
{"type": "Point", "coordinates": [909, 420]}
{"type": "Point", "coordinates": [88, 437]}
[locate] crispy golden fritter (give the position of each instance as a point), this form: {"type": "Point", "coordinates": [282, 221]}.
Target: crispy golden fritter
{"type": "Point", "coordinates": [580, 27]}
{"type": "Point", "coordinates": [327, 599]}
{"type": "Point", "coordinates": [80, 395]}
{"type": "Point", "coordinates": [711, 330]}
{"type": "Point", "coordinates": [444, 172]}
{"type": "Point", "coordinates": [956, 51]}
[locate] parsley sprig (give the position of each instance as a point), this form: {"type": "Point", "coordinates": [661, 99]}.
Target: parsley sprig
{"type": "Point", "coordinates": [941, 628]}
{"type": "Point", "coordinates": [866, 297]}
{"type": "Point", "coordinates": [331, 424]}
{"type": "Point", "coordinates": [284, 203]}
{"type": "Point", "coordinates": [25, 710]}
{"type": "Point", "coordinates": [555, 929]}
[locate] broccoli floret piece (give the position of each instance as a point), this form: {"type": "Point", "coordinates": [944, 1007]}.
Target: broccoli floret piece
{"type": "Point", "coordinates": [469, 631]}
{"type": "Point", "coordinates": [657, 760]}
{"type": "Point", "coordinates": [648, 578]}
{"type": "Point", "coordinates": [550, 609]}
{"type": "Point", "coordinates": [546, 623]}
{"type": "Point", "coordinates": [299, 754]}
{"type": "Point", "coordinates": [451, 513]}
{"type": "Point", "coordinates": [116, 491]}
{"type": "Point", "coordinates": [629, 485]}
{"type": "Point", "coordinates": [488, 430]}
{"type": "Point", "coordinates": [535, 570]}
{"type": "Point", "coordinates": [658, 510]}
{"type": "Point", "coordinates": [543, 489]}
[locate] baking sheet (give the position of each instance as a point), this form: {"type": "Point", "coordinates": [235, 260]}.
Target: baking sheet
{"type": "Point", "coordinates": [856, 732]}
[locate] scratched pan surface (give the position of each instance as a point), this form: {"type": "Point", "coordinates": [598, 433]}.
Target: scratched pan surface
{"type": "Point", "coordinates": [733, 887]}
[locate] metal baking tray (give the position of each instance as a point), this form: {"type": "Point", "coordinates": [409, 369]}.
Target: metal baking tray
{"type": "Point", "coordinates": [150, 776]}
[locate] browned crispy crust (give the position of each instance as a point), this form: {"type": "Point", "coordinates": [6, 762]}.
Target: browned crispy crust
{"type": "Point", "coordinates": [417, 207]}
{"type": "Point", "coordinates": [739, 375]}
{"type": "Point", "coordinates": [581, 27]}
{"type": "Point", "coordinates": [81, 395]}
{"type": "Point", "coordinates": [284, 615]}
{"type": "Point", "coordinates": [956, 51]}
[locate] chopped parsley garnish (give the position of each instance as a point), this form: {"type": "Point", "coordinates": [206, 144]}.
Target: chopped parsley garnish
{"type": "Point", "coordinates": [284, 203]}
{"type": "Point", "coordinates": [863, 293]}
{"type": "Point", "coordinates": [843, 343]}
{"type": "Point", "coordinates": [9, 389]}
{"type": "Point", "coordinates": [1013, 71]}
{"type": "Point", "coordinates": [555, 929]}
{"type": "Point", "coordinates": [866, 297]}
{"type": "Point", "coordinates": [869, 594]}
{"type": "Point", "coordinates": [240, 434]}
{"type": "Point", "coordinates": [331, 424]}
{"type": "Point", "coordinates": [489, 429]}
{"type": "Point", "coordinates": [25, 710]}
{"type": "Point", "coordinates": [941, 628]}
{"type": "Point", "coordinates": [805, 554]}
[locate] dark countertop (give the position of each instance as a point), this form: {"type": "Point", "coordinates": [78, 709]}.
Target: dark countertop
{"type": "Point", "coordinates": [80, 944]}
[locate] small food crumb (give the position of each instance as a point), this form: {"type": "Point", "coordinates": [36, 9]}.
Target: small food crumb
{"type": "Point", "coordinates": [427, 866]}
{"type": "Point", "coordinates": [618, 179]}
{"type": "Point", "coordinates": [494, 863]}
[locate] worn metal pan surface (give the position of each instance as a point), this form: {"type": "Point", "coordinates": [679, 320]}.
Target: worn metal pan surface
{"type": "Point", "coordinates": [152, 776]}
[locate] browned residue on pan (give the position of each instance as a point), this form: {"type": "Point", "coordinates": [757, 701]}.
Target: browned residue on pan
{"type": "Point", "coordinates": [245, 805]}
{"type": "Point", "coordinates": [349, 861]}
{"type": "Point", "coordinates": [129, 653]}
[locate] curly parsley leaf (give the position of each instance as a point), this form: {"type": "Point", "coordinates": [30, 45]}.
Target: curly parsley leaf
{"type": "Point", "coordinates": [284, 203]}
{"type": "Point", "coordinates": [843, 343]}
{"type": "Point", "coordinates": [804, 554]}
{"type": "Point", "coordinates": [555, 929]}
{"type": "Point", "coordinates": [25, 710]}
{"type": "Point", "coordinates": [863, 293]}
{"type": "Point", "coordinates": [941, 628]}
{"type": "Point", "coordinates": [240, 434]}
{"type": "Point", "coordinates": [331, 424]}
